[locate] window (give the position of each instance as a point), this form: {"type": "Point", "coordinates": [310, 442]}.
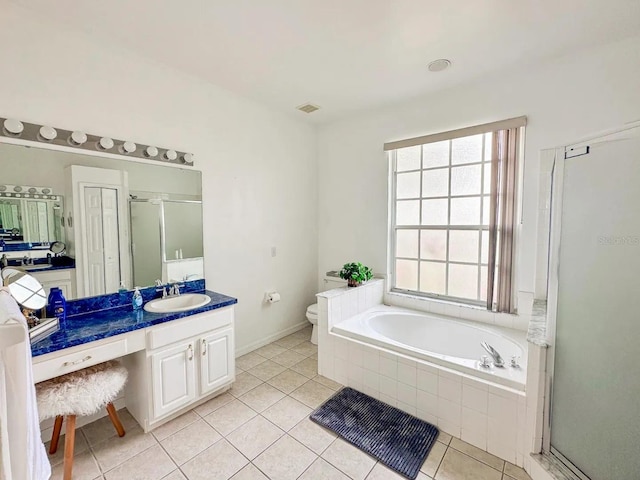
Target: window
{"type": "Point", "coordinates": [453, 214]}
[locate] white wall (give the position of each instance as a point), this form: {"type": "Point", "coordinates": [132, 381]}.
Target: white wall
{"type": "Point", "coordinates": [258, 166]}
{"type": "Point", "coordinates": [564, 100]}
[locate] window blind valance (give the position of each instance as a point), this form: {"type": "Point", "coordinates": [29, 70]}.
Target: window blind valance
{"type": "Point", "coordinates": [461, 132]}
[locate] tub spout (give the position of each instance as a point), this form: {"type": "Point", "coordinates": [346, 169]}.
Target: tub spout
{"type": "Point", "coordinates": [497, 359]}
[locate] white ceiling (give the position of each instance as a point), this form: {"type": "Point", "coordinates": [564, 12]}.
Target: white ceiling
{"type": "Point", "coordinates": [345, 55]}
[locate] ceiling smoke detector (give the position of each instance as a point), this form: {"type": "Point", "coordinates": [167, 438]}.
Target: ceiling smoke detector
{"type": "Point", "coordinates": [308, 108]}
{"type": "Point", "coordinates": [439, 65]}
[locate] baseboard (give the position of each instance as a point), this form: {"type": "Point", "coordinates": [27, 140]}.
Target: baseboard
{"type": "Point", "coordinates": [271, 338]}
{"type": "Point", "coordinates": [46, 427]}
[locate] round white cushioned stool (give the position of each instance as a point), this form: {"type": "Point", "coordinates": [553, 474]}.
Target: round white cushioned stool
{"type": "Point", "coordinates": [80, 393]}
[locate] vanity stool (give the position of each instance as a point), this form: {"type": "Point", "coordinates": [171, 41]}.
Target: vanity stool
{"type": "Point", "coordinates": [80, 393]}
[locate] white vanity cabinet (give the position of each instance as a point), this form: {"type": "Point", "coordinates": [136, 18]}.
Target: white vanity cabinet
{"type": "Point", "coordinates": [61, 278]}
{"type": "Point", "coordinates": [185, 363]}
{"type": "Point", "coordinates": [217, 363]}
{"type": "Point", "coordinates": [173, 376]}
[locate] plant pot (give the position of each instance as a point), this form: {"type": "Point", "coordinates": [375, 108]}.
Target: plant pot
{"type": "Point", "coordinates": [353, 283]}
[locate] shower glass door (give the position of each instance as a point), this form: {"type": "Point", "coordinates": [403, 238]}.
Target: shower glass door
{"type": "Point", "coordinates": [595, 411]}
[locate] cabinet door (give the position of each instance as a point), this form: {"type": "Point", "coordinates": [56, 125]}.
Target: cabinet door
{"type": "Point", "coordinates": [64, 285]}
{"type": "Point", "coordinates": [217, 364]}
{"type": "Point", "coordinates": [173, 378]}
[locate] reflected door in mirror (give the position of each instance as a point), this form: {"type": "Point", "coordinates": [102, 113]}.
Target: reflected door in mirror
{"type": "Point", "coordinates": [103, 249]}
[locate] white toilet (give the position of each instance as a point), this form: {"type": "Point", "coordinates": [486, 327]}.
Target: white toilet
{"type": "Point", "coordinates": [331, 281]}
{"type": "Point", "coordinates": [312, 316]}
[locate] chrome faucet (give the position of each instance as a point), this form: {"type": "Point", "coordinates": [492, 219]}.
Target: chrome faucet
{"type": "Point", "coordinates": [161, 288]}
{"type": "Point", "coordinates": [174, 291]}
{"type": "Point", "coordinates": [497, 359]}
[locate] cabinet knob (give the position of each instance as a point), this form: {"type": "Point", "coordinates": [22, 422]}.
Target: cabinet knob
{"type": "Point", "coordinates": [204, 347]}
{"type": "Point", "coordinates": [190, 352]}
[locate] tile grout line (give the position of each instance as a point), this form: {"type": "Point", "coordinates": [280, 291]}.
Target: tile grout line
{"type": "Point", "coordinates": [171, 458]}
{"type": "Point", "coordinates": [481, 461]}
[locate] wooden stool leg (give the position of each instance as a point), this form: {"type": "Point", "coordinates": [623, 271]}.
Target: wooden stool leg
{"type": "Point", "coordinates": [113, 415]}
{"type": "Point", "coordinates": [57, 426]}
{"type": "Point", "coordinates": [69, 443]}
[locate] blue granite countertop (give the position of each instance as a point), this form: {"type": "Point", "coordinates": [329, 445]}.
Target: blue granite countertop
{"type": "Point", "coordinates": [96, 325]}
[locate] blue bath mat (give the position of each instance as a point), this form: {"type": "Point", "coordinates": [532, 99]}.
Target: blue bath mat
{"type": "Point", "coordinates": [399, 440]}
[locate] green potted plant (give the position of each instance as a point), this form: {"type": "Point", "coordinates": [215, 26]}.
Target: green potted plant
{"type": "Point", "coordinates": [355, 273]}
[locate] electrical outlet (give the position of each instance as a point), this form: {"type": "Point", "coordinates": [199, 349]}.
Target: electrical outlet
{"type": "Point", "coordinates": [273, 251]}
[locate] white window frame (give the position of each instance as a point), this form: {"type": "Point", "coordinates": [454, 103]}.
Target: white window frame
{"type": "Point", "coordinates": [391, 149]}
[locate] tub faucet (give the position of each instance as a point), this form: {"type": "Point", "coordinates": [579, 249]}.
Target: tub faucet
{"type": "Point", "coordinates": [497, 359]}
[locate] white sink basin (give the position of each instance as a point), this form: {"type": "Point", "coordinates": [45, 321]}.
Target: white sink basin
{"type": "Point", "coordinates": [35, 268]}
{"type": "Point", "coordinates": [181, 303]}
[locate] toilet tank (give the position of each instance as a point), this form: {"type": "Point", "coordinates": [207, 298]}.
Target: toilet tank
{"type": "Point", "coordinates": [332, 280]}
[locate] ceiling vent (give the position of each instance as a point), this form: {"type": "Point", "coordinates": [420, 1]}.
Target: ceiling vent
{"type": "Point", "coordinates": [308, 108]}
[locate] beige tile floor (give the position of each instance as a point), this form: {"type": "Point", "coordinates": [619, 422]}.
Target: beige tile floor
{"type": "Point", "coordinates": [260, 430]}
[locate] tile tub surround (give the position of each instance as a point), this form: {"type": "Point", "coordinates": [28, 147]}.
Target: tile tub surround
{"type": "Point", "coordinates": [227, 438]}
{"type": "Point", "coordinates": [488, 416]}
{"type": "Point", "coordinates": [479, 314]}
{"type": "Point", "coordinates": [95, 325]}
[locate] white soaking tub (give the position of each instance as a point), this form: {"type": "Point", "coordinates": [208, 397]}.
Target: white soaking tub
{"type": "Point", "coordinates": [445, 341]}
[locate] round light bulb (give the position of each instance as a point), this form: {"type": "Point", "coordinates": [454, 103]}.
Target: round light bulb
{"type": "Point", "coordinates": [47, 133]}
{"type": "Point", "coordinates": [78, 138]}
{"type": "Point", "coordinates": [105, 143]}
{"type": "Point", "coordinates": [129, 147]}
{"type": "Point", "coordinates": [13, 126]}
{"type": "Point", "coordinates": [171, 155]}
{"type": "Point", "coordinates": [188, 158]}
{"type": "Point", "coordinates": [151, 152]}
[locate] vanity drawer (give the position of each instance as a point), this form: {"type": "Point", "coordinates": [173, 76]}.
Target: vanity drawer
{"type": "Point", "coordinates": [79, 359]}
{"type": "Point", "coordinates": [176, 330]}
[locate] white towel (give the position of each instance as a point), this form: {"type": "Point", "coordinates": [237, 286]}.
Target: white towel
{"type": "Point", "coordinates": [20, 440]}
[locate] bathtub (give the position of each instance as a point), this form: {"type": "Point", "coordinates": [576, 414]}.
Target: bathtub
{"type": "Point", "coordinates": [444, 341]}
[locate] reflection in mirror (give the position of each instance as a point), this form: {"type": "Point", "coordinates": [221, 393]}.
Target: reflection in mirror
{"type": "Point", "coordinates": [178, 245]}
{"type": "Point", "coordinates": [114, 216]}
{"type": "Point", "coordinates": [182, 229]}
{"type": "Point", "coordinates": [24, 288]}
{"type": "Point", "coordinates": [145, 241]}
{"type": "Point", "coordinates": [37, 220]}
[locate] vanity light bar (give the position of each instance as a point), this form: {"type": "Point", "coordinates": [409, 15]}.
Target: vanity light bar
{"type": "Point", "coordinates": [12, 128]}
{"type": "Point", "coordinates": [29, 195]}
{"type": "Point", "coordinates": [27, 191]}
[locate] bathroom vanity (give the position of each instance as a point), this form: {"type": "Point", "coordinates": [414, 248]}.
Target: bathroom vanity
{"type": "Point", "coordinates": [175, 360]}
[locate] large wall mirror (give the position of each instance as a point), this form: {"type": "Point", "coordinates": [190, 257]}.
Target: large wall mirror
{"type": "Point", "coordinates": [121, 222]}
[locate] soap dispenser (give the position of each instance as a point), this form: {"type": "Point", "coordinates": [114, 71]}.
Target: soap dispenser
{"type": "Point", "coordinates": [136, 302]}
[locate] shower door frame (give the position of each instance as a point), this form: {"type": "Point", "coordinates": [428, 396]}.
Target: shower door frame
{"type": "Point", "coordinates": [631, 130]}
